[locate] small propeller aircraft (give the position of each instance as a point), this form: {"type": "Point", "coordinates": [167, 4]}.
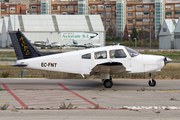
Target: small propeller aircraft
{"type": "Point", "coordinates": [102, 61]}
{"type": "Point", "coordinates": [85, 45]}
{"type": "Point", "coordinates": [48, 44]}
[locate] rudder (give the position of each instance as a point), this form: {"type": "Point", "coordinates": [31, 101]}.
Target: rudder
{"type": "Point", "coordinates": [23, 48]}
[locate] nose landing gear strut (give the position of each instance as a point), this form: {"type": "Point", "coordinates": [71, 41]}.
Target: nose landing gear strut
{"type": "Point", "coordinates": [151, 82]}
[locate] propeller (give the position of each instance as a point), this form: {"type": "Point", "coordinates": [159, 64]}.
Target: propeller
{"type": "Point", "coordinates": [167, 60]}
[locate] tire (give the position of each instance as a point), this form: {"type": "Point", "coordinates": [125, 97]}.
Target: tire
{"type": "Point", "coordinates": [153, 83]}
{"type": "Point", "coordinates": [108, 83]}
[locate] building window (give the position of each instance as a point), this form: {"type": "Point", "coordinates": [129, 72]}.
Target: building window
{"type": "Point", "coordinates": [100, 13]}
{"type": "Point", "coordinates": [139, 13]}
{"type": "Point", "coordinates": [139, 6]}
{"type": "Point", "coordinates": [176, 36]}
{"type": "Point", "coordinates": [63, 6]}
{"type": "Point", "coordinates": [145, 20]}
{"type": "Point", "coordinates": [33, 13]}
{"type": "Point", "coordinates": [168, 13]}
{"type": "Point", "coordinates": [130, 7]}
{"type": "Point", "coordinates": [130, 14]}
{"type": "Point", "coordinates": [108, 6]}
{"type": "Point", "coordinates": [130, 28]}
{"type": "Point", "coordinates": [3, 9]}
{"type": "Point", "coordinates": [100, 6]}
{"type": "Point", "coordinates": [12, 8]}
{"type": "Point", "coordinates": [92, 13]}
{"type": "Point", "coordinates": [54, 7]}
{"type": "Point", "coordinates": [138, 20]}
{"type": "Point", "coordinates": [177, 12]}
{"type": "Point", "coordinates": [177, 5]}
{"type": "Point", "coordinates": [146, 6]}
{"type": "Point", "coordinates": [33, 7]}
{"type": "Point", "coordinates": [168, 6]}
{"type": "Point", "coordinates": [138, 27]}
{"type": "Point", "coordinates": [164, 29]}
{"type": "Point", "coordinates": [70, 13]}
{"type": "Point", "coordinates": [63, 13]}
{"type": "Point", "coordinates": [130, 21]}
{"type": "Point", "coordinates": [71, 6]}
{"type": "Point", "coordinates": [146, 13]}
{"type": "Point", "coordinates": [145, 27]}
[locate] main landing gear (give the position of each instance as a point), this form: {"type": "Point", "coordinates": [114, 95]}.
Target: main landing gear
{"type": "Point", "coordinates": [151, 82]}
{"type": "Point", "coordinates": [108, 83]}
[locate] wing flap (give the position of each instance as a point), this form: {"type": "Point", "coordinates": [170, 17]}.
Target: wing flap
{"type": "Point", "coordinates": [108, 67]}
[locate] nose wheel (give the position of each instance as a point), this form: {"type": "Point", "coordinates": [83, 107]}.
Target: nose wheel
{"type": "Point", "coordinates": [151, 82]}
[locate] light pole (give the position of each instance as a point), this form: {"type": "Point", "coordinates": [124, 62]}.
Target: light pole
{"type": "Point", "coordinates": [129, 36]}
{"type": "Point", "coordinates": [135, 42]}
{"type": "Point", "coordinates": [150, 29]}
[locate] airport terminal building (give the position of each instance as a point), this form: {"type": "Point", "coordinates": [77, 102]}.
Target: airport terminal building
{"type": "Point", "coordinates": [56, 28]}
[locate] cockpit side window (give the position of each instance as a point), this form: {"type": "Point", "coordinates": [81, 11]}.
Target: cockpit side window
{"type": "Point", "coordinates": [132, 52]}
{"type": "Point", "coordinates": [100, 55]}
{"type": "Point", "coordinates": [118, 53]}
{"type": "Point", "coordinates": [86, 56]}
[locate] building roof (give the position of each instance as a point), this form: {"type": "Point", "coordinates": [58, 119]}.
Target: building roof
{"type": "Point", "coordinates": [57, 23]}
{"type": "Point", "coordinates": [168, 26]}
{"type": "Point", "coordinates": [177, 29]}
{"type": "Point", "coordinates": [6, 20]}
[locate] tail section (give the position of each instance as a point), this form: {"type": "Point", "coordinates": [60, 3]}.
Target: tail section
{"type": "Point", "coordinates": [75, 42]}
{"type": "Point", "coordinates": [23, 48]}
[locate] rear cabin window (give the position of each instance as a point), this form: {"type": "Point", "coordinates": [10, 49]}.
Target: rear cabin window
{"type": "Point", "coordinates": [86, 56]}
{"type": "Point", "coordinates": [100, 55]}
{"type": "Point", "coordinates": [118, 53]}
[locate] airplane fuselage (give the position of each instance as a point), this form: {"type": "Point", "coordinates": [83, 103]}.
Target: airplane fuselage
{"type": "Point", "coordinates": [77, 62]}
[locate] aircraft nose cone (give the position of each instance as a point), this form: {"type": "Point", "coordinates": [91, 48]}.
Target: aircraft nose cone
{"type": "Point", "coordinates": [167, 60]}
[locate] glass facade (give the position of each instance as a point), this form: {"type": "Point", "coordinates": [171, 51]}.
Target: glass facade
{"type": "Point", "coordinates": [82, 7]}
{"type": "Point", "coordinates": [121, 16]}
{"type": "Point", "coordinates": [159, 15]}
{"type": "Point", "coordinates": [46, 7]}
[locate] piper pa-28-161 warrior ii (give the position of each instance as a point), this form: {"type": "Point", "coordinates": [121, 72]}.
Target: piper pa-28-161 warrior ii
{"type": "Point", "coordinates": [102, 61]}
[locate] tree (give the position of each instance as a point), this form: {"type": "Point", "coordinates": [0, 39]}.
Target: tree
{"type": "Point", "coordinates": [109, 31]}
{"type": "Point", "coordinates": [134, 32]}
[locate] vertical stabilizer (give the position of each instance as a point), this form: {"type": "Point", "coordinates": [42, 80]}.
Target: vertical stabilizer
{"type": "Point", "coordinates": [23, 48]}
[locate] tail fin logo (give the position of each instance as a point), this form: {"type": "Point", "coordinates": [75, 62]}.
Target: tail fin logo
{"type": "Point", "coordinates": [24, 46]}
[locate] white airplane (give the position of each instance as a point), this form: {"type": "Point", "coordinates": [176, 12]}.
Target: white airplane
{"type": "Point", "coordinates": [86, 45]}
{"type": "Point", "coordinates": [49, 45]}
{"type": "Point", "coordinates": [102, 61]}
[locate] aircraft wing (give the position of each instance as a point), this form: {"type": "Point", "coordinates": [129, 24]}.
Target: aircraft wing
{"type": "Point", "coordinates": [108, 67]}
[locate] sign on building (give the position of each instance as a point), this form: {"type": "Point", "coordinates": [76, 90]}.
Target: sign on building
{"type": "Point", "coordinates": [80, 36]}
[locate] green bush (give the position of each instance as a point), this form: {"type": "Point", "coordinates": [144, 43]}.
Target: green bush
{"type": "Point", "coordinates": [5, 74]}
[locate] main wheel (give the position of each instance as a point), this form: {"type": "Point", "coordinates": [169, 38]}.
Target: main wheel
{"type": "Point", "coordinates": [153, 83]}
{"type": "Point", "coordinates": [108, 83]}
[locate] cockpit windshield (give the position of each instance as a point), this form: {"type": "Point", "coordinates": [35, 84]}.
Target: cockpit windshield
{"type": "Point", "coordinates": [132, 52]}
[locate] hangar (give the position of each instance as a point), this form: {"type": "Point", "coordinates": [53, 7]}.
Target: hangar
{"type": "Point", "coordinates": [166, 35]}
{"type": "Point", "coordinates": [59, 28]}
{"type": "Point", "coordinates": [177, 36]}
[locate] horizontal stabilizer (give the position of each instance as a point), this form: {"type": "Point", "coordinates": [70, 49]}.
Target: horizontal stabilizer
{"type": "Point", "coordinates": [22, 64]}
